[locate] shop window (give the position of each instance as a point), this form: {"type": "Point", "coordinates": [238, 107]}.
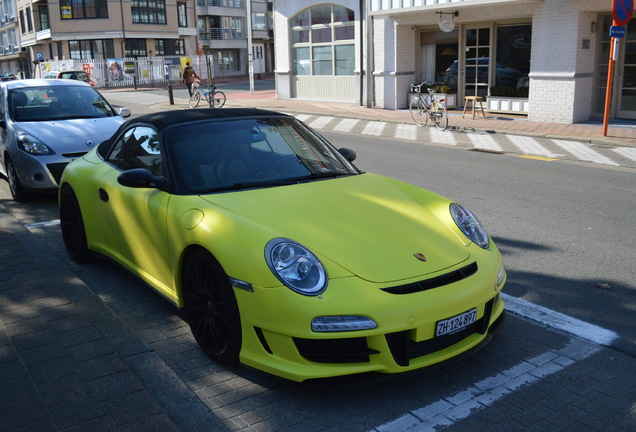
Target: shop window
{"type": "Point", "coordinates": [322, 41]}
{"type": "Point", "coordinates": [513, 56]}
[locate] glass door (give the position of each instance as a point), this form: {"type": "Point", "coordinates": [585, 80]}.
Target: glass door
{"type": "Point", "coordinates": [477, 61]}
{"type": "Point", "coordinates": [626, 98]}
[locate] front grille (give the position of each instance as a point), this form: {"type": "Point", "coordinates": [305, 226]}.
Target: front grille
{"type": "Point", "coordinates": [56, 170]}
{"type": "Point", "coordinates": [436, 282]}
{"type": "Point", "coordinates": [404, 349]}
{"type": "Point", "coordinates": [348, 350]}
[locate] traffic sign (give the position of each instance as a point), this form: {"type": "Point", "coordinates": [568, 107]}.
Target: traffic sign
{"type": "Point", "coordinates": [622, 11]}
{"type": "Point", "coordinates": [617, 31]}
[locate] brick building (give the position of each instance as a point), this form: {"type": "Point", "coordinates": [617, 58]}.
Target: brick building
{"type": "Point", "coordinates": [548, 57]}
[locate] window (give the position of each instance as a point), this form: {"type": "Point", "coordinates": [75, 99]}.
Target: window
{"type": "Point", "coordinates": [81, 9]}
{"type": "Point", "coordinates": [138, 148]}
{"type": "Point", "coordinates": [91, 49]}
{"type": "Point", "coordinates": [135, 48]}
{"type": "Point", "coordinates": [29, 19]}
{"type": "Point", "coordinates": [322, 41]}
{"type": "Point", "coordinates": [259, 21]}
{"type": "Point", "coordinates": [513, 55]}
{"type": "Point", "coordinates": [148, 11]}
{"type": "Point", "coordinates": [43, 12]}
{"type": "Point", "coordinates": [230, 60]}
{"type": "Point", "coordinates": [169, 47]}
{"type": "Point", "coordinates": [182, 14]}
{"type": "Point", "coordinates": [22, 23]}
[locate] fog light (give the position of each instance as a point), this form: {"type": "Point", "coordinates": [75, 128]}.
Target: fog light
{"type": "Point", "coordinates": [340, 323]}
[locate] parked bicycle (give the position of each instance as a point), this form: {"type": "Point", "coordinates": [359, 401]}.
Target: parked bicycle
{"type": "Point", "coordinates": [215, 98]}
{"type": "Point", "coordinates": [422, 111]}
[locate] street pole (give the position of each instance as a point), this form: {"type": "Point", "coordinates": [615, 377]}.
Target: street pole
{"type": "Point", "coordinates": [250, 61]}
{"type": "Point", "coordinates": [610, 78]}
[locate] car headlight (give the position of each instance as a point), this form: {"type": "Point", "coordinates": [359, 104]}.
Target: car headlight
{"type": "Point", "coordinates": [295, 266]}
{"type": "Point", "coordinates": [470, 225]}
{"type": "Point", "coordinates": [33, 146]}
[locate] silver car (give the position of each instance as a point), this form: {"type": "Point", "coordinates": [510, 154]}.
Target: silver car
{"type": "Point", "coordinates": [45, 124]}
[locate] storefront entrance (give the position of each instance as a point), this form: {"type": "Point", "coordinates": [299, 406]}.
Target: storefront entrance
{"type": "Point", "coordinates": [624, 80]}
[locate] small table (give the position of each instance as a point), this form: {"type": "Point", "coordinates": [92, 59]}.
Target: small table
{"type": "Point", "coordinates": [474, 100]}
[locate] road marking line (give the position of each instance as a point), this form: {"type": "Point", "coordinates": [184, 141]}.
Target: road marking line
{"type": "Point", "coordinates": [538, 158]}
{"type": "Point", "coordinates": [406, 131]}
{"type": "Point", "coordinates": [583, 152]}
{"type": "Point", "coordinates": [627, 152]}
{"type": "Point", "coordinates": [529, 145]}
{"type": "Point", "coordinates": [374, 128]}
{"type": "Point", "coordinates": [484, 141]}
{"type": "Point", "coordinates": [42, 224]}
{"type": "Point", "coordinates": [346, 125]}
{"type": "Point", "coordinates": [320, 122]}
{"type": "Point", "coordinates": [442, 137]}
{"type": "Point", "coordinates": [487, 391]}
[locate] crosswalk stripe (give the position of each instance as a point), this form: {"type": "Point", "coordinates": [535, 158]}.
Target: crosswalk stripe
{"type": "Point", "coordinates": [626, 152]}
{"type": "Point", "coordinates": [406, 131]}
{"type": "Point", "coordinates": [346, 125]}
{"type": "Point", "coordinates": [529, 145]}
{"type": "Point", "coordinates": [583, 152]}
{"type": "Point", "coordinates": [484, 141]}
{"type": "Point", "coordinates": [302, 117]}
{"type": "Point", "coordinates": [320, 122]}
{"type": "Point", "coordinates": [374, 128]}
{"type": "Point", "coordinates": [442, 137]}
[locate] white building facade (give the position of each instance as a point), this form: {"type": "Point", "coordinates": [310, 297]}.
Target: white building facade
{"type": "Point", "coordinates": [549, 56]}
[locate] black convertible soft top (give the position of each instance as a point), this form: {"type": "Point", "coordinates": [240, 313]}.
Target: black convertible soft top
{"type": "Point", "coordinates": [163, 119]}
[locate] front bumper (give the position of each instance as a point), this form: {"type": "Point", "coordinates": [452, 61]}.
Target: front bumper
{"type": "Point", "coordinates": [277, 337]}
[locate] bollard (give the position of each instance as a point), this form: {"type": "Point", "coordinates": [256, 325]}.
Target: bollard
{"type": "Point", "coordinates": [170, 95]}
{"type": "Point", "coordinates": [135, 81]}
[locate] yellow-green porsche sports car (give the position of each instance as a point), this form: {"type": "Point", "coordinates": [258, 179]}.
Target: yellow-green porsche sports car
{"type": "Point", "coordinates": [280, 253]}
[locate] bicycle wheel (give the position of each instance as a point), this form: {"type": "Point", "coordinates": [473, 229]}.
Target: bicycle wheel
{"type": "Point", "coordinates": [418, 112]}
{"type": "Point", "coordinates": [194, 99]}
{"type": "Point", "coordinates": [440, 115]}
{"type": "Point", "coordinates": [217, 100]}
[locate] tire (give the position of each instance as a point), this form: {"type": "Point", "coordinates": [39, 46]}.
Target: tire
{"type": "Point", "coordinates": [440, 115]}
{"type": "Point", "coordinates": [18, 192]}
{"type": "Point", "coordinates": [210, 307]}
{"type": "Point", "coordinates": [72, 226]}
{"type": "Point", "coordinates": [217, 100]}
{"type": "Point", "coordinates": [418, 112]}
{"type": "Point", "coordinates": [194, 100]}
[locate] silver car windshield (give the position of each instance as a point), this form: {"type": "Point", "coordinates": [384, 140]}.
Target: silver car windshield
{"type": "Point", "coordinates": [57, 103]}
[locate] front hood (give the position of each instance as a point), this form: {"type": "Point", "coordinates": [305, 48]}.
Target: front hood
{"type": "Point", "coordinates": [364, 223]}
{"type": "Point", "coordinates": [65, 136]}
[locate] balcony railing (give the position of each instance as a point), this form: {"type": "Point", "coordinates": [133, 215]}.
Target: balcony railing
{"type": "Point", "coordinates": [221, 3]}
{"type": "Point", "coordinates": [221, 34]}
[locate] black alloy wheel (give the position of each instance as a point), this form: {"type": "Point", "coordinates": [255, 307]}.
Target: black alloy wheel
{"type": "Point", "coordinates": [72, 225]}
{"type": "Point", "coordinates": [210, 307]}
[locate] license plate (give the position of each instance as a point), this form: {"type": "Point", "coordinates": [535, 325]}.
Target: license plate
{"type": "Point", "coordinates": [456, 323]}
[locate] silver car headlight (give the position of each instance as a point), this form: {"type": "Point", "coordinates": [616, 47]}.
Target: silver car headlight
{"type": "Point", "coordinates": [295, 266]}
{"type": "Point", "coordinates": [33, 146]}
{"type": "Point", "coordinates": [470, 225]}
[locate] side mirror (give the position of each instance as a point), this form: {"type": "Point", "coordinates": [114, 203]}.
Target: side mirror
{"type": "Point", "coordinates": [124, 112]}
{"type": "Point", "coordinates": [141, 178]}
{"type": "Point", "coordinates": [348, 154]}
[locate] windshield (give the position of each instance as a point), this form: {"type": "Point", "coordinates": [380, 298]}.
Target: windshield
{"type": "Point", "coordinates": [57, 103]}
{"type": "Point", "coordinates": [248, 153]}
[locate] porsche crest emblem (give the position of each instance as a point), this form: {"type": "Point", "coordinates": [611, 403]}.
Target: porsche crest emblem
{"type": "Point", "coordinates": [420, 256]}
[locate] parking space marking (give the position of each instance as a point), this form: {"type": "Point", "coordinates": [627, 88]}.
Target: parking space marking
{"type": "Point", "coordinates": [583, 152]}
{"type": "Point", "coordinates": [587, 340]}
{"type": "Point", "coordinates": [42, 224]}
